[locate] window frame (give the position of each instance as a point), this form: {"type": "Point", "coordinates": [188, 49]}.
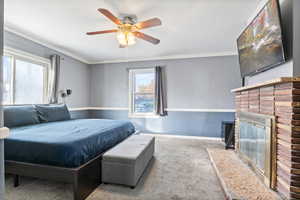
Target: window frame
{"type": "Point", "coordinates": [132, 93]}
{"type": "Point", "coordinates": [27, 57]}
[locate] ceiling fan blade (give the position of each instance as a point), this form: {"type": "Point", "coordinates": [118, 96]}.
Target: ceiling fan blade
{"type": "Point", "coordinates": [148, 23]}
{"type": "Point", "coordinates": [147, 37]}
{"type": "Point", "coordinates": [102, 32]}
{"type": "Point", "coordinates": [110, 16]}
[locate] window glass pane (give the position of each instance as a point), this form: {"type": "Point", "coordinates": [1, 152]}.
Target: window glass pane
{"type": "Point", "coordinates": [144, 82]}
{"type": "Point", "coordinates": [7, 80]}
{"type": "Point", "coordinates": [29, 83]}
{"type": "Point", "coordinates": [144, 103]}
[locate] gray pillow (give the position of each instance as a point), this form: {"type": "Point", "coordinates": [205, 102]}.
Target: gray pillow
{"type": "Point", "coordinates": [20, 116]}
{"type": "Point", "coordinates": [52, 113]}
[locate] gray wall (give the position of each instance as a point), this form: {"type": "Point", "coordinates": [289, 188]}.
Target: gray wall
{"type": "Point", "coordinates": [74, 74]}
{"type": "Point", "coordinates": [190, 83]}
{"type": "Point", "coordinates": [284, 70]}
{"type": "Point", "coordinates": [287, 69]}
{"type": "Point", "coordinates": [198, 83]}
{"type": "Point", "coordinates": [204, 124]}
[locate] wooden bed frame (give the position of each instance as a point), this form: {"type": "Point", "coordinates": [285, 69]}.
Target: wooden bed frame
{"type": "Point", "coordinates": [84, 178]}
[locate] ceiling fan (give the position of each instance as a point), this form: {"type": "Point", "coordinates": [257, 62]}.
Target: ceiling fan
{"type": "Point", "coordinates": [128, 28]}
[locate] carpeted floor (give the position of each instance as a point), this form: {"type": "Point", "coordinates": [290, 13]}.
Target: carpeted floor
{"type": "Point", "coordinates": [181, 170]}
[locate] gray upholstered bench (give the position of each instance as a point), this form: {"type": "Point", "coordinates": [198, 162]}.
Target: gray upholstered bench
{"type": "Point", "coordinates": [125, 163]}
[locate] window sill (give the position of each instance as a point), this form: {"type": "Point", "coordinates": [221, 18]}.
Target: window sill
{"type": "Point", "coordinates": [144, 116]}
{"type": "Point", "coordinates": [4, 133]}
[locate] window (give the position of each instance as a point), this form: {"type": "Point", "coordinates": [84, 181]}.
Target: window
{"type": "Point", "coordinates": [142, 92]}
{"type": "Point", "coordinates": [24, 79]}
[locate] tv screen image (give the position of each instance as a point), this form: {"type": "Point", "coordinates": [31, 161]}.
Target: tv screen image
{"type": "Point", "coordinates": [260, 46]}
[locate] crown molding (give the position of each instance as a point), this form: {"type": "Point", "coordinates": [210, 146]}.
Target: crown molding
{"type": "Point", "coordinates": [46, 44]}
{"type": "Point", "coordinates": [79, 58]}
{"type": "Point", "coordinates": [174, 57]}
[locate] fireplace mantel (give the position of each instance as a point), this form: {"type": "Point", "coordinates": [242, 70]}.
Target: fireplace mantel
{"type": "Point", "coordinates": [268, 83]}
{"type": "Point", "coordinates": [279, 98]}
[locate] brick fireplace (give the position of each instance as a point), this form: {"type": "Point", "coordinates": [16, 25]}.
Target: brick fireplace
{"type": "Point", "coordinates": [279, 100]}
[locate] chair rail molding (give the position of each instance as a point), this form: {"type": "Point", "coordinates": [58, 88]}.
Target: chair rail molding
{"type": "Point", "coordinates": [167, 109]}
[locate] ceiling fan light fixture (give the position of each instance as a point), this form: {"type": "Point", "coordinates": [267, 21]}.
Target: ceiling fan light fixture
{"type": "Point", "coordinates": [131, 38]}
{"type": "Point", "coordinates": [126, 38]}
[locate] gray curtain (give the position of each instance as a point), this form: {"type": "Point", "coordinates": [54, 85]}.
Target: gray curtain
{"type": "Point", "coordinates": [53, 79]}
{"type": "Point", "coordinates": [2, 185]}
{"type": "Point", "coordinates": [159, 92]}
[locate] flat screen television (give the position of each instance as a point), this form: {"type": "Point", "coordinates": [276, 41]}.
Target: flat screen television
{"type": "Point", "coordinates": [260, 46]}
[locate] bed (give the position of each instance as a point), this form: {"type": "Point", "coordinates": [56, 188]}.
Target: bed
{"type": "Point", "coordinates": [68, 143]}
{"type": "Point", "coordinates": [67, 151]}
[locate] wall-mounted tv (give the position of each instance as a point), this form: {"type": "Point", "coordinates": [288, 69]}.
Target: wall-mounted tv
{"type": "Point", "coordinates": [260, 46]}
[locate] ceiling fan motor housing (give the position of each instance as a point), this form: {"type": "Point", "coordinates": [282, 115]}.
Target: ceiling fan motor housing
{"type": "Point", "coordinates": [128, 19]}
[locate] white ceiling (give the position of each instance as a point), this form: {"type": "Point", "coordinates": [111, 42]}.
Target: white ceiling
{"type": "Point", "coordinates": [190, 28]}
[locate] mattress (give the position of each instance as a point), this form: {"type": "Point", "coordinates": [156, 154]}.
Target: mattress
{"type": "Point", "coordinates": [66, 143]}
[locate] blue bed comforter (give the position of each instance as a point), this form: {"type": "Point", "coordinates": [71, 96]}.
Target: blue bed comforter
{"type": "Point", "coordinates": [67, 143]}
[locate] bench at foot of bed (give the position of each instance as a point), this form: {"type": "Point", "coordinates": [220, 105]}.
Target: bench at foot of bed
{"type": "Point", "coordinates": [125, 163]}
{"type": "Point", "coordinates": [85, 179]}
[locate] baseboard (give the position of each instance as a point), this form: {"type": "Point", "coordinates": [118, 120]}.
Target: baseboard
{"type": "Point", "coordinates": [184, 137]}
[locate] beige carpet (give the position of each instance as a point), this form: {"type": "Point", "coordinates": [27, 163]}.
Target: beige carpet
{"type": "Point", "coordinates": [181, 170]}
